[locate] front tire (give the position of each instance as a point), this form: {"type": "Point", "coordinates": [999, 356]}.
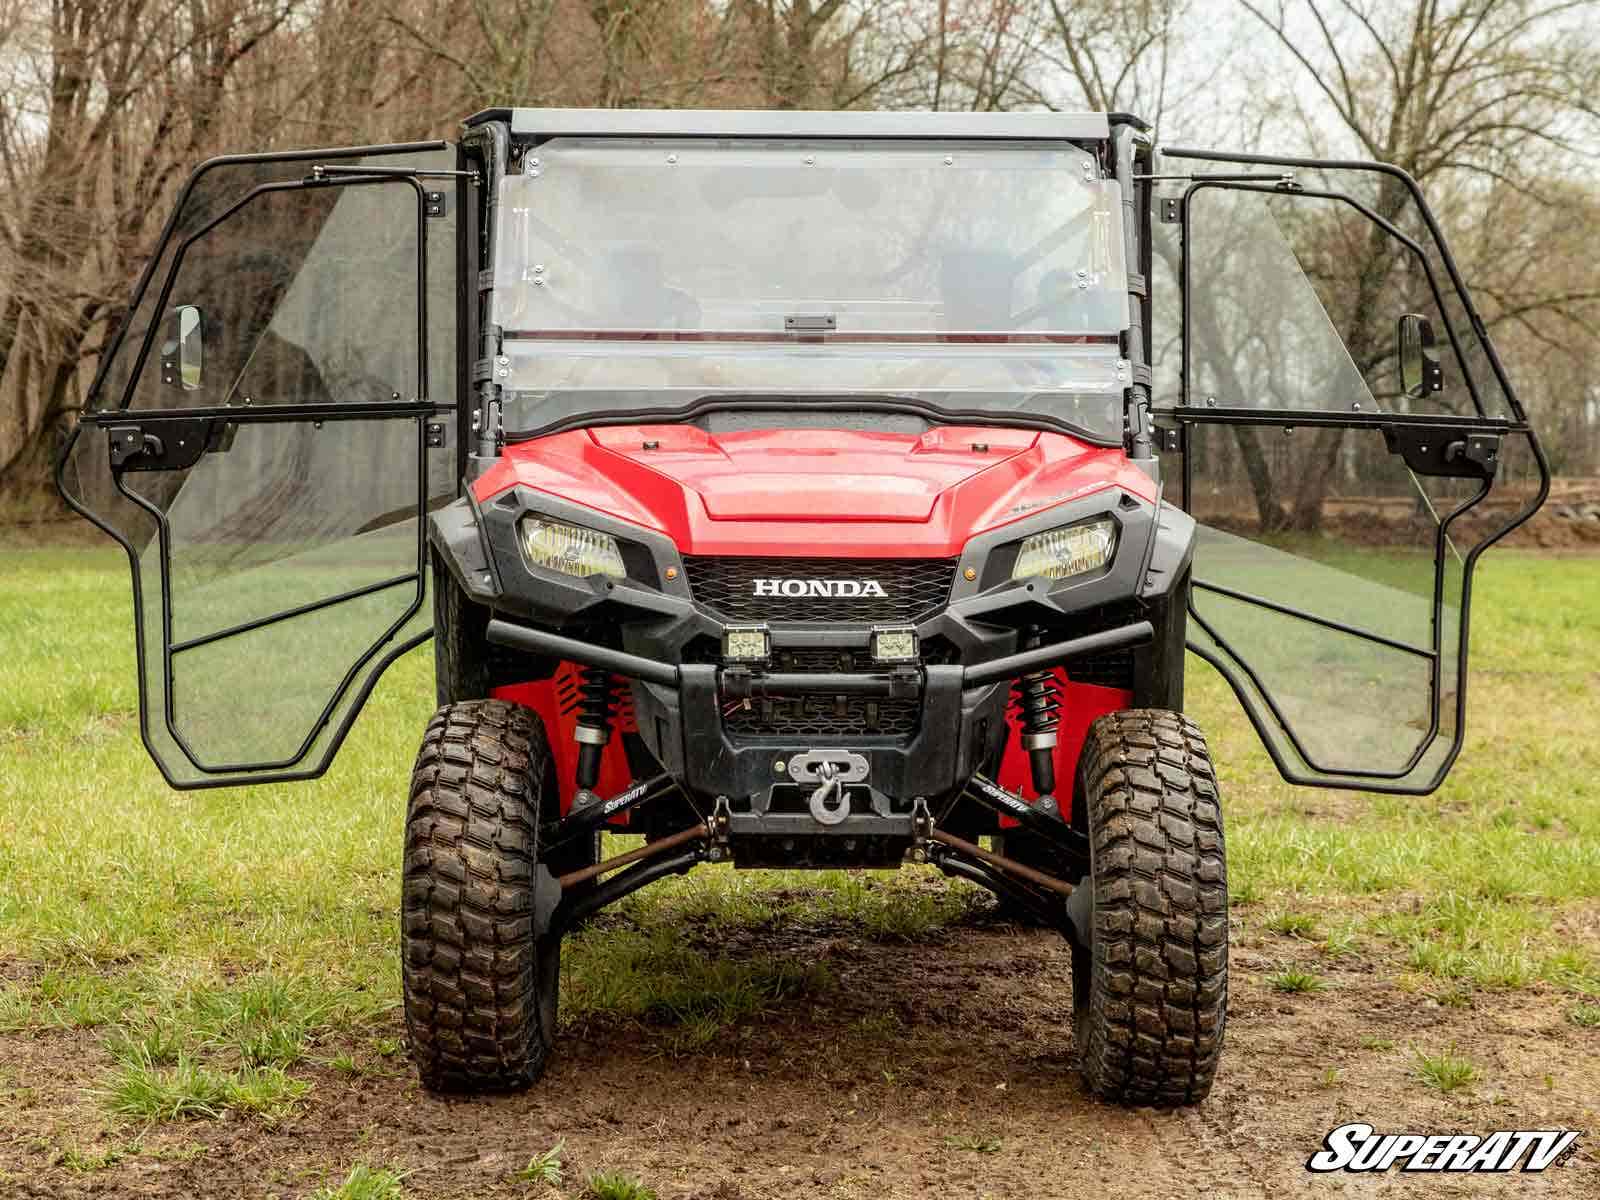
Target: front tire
{"type": "Point", "coordinates": [1150, 991]}
{"type": "Point", "coordinates": [480, 989]}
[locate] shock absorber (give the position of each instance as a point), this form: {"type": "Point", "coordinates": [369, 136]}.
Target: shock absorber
{"type": "Point", "coordinates": [597, 703]}
{"type": "Point", "coordinates": [1037, 700]}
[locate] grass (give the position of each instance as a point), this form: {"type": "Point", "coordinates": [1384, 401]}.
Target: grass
{"type": "Point", "coordinates": [1292, 924]}
{"type": "Point", "coordinates": [142, 1090]}
{"type": "Point", "coordinates": [364, 1183]}
{"type": "Point", "coordinates": [544, 1168]}
{"type": "Point", "coordinates": [653, 977]}
{"type": "Point", "coordinates": [616, 1185]}
{"type": "Point", "coordinates": [1340, 943]}
{"type": "Point", "coordinates": [1296, 981]}
{"type": "Point", "coordinates": [83, 1162]}
{"type": "Point", "coordinates": [227, 946]}
{"type": "Point", "coordinates": [1446, 1071]}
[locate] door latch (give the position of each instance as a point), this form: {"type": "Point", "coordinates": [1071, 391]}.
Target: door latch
{"type": "Point", "coordinates": [1445, 452]}
{"type": "Point", "coordinates": [178, 446]}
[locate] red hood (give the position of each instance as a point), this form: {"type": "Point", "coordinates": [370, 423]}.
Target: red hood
{"type": "Point", "coordinates": [814, 491]}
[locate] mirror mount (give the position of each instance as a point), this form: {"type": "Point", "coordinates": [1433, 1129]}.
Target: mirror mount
{"type": "Point", "coordinates": [1420, 372]}
{"type": "Point", "coordinates": [182, 351]}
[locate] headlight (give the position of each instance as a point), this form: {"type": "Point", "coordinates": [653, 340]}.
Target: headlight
{"type": "Point", "coordinates": [570, 549]}
{"type": "Point", "coordinates": [1063, 553]}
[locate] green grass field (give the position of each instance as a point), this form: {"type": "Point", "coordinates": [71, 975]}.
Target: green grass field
{"type": "Point", "coordinates": [220, 943]}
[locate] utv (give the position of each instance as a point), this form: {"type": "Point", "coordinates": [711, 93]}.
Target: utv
{"type": "Point", "coordinates": [805, 490]}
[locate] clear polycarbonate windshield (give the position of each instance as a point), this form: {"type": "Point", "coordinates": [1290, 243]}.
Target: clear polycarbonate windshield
{"type": "Point", "coordinates": [647, 273]}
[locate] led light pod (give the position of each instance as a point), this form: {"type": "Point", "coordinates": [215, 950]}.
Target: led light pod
{"type": "Point", "coordinates": [746, 643]}
{"type": "Point", "coordinates": [894, 643]}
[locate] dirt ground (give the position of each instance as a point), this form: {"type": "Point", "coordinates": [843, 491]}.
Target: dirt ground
{"type": "Point", "coordinates": [921, 1054]}
{"type": "Point", "coordinates": [1569, 520]}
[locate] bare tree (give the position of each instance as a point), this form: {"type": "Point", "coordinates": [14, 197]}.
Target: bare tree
{"type": "Point", "coordinates": [123, 95]}
{"type": "Point", "coordinates": [1460, 95]}
{"type": "Point", "coordinates": [105, 105]}
{"type": "Point", "coordinates": [1118, 52]}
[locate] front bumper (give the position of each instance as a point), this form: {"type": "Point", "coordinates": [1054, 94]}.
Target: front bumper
{"type": "Point", "coordinates": [651, 629]}
{"type": "Point", "coordinates": [968, 702]}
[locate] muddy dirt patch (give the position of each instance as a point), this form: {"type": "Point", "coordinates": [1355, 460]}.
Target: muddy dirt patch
{"type": "Point", "coordinates": [940, 1068]}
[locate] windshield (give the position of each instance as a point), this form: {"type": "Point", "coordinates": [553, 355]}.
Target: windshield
{"type": "Point", "coordinates": [647, 273]}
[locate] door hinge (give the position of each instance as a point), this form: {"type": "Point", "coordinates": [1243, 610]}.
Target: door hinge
{"type": "Point", "coordinates": [494, 370]}
{"type": "Point", "coordinates": [436, 204]}
{"type": "Point", "coordinates": [1172, 210]}
{"type": "Point", "coordinates": [1169, 439]}
{"type": "Point", "coordinates": [435, 438]}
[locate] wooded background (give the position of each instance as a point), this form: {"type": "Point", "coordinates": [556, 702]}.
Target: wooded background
{"type": "Point", "coordinates": [1493, 105]}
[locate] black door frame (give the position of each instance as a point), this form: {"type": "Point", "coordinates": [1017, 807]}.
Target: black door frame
{"type": "Point", "coordinates": [138, 453]}
{"type": "Point", "coordinates": [1406, 433]}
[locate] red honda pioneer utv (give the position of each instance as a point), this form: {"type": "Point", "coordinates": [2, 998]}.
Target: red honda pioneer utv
{"type": "Point", "coordinates": [803, 490]}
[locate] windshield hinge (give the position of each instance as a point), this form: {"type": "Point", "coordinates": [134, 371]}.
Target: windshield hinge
{"type": "Point", "coordinates": [489, 374]}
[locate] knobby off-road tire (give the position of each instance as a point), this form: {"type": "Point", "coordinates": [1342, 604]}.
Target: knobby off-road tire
{"type": "Point", "coordinates": [480, 989]}
{"type": "Point", "coordinates": [1150, 992]}
{"type": "Point", "coordinates": [467, 667]}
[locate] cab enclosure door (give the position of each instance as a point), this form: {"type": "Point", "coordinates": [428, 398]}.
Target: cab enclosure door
{"type": "Point", "coordinates": [1349, 444]}
{"type": "Point", "coordinates": [264, 438]}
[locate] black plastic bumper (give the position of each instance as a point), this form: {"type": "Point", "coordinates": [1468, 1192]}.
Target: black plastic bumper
{"type": "Point", "coordinates": [961, 709]}
{"type": "Point", "coordinates": [636, 666]}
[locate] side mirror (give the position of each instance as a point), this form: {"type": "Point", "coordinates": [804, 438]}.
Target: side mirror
{"type": "Point", "coordinates": [181, 353]}
{"type": "Point", "coordinates": [1420, 372]}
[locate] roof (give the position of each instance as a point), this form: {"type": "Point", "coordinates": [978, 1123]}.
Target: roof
{"type": "Point", "coordinates": [786, 123]}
